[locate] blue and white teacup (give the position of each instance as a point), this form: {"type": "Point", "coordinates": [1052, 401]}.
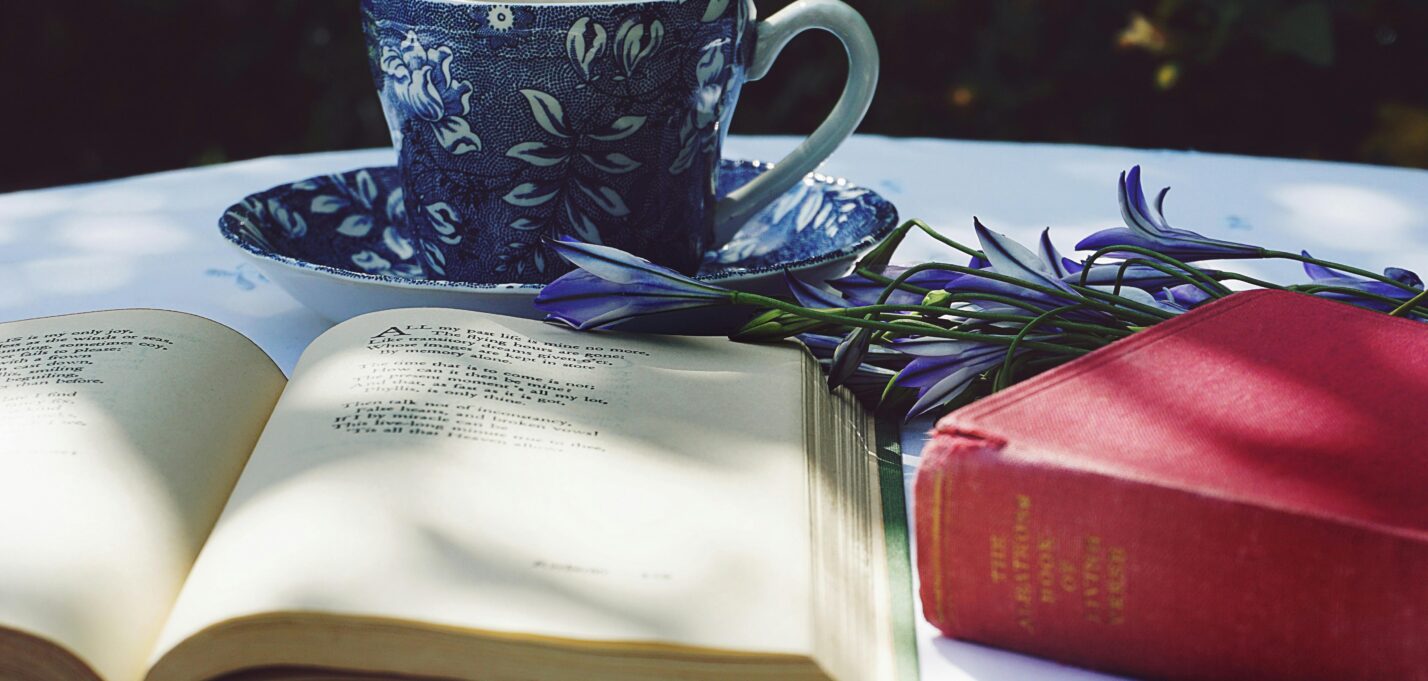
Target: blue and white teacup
{"type": "Point", "coordinates": [604, 121]}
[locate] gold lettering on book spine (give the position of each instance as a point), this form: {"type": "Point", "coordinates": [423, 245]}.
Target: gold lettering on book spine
{"type": "Point", "coordinates": [1042, 571]}
{"type": "Point", "coordinates": [1023, 588]}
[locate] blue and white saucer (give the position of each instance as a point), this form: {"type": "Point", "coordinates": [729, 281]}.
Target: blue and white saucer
{"type": "Point", "coordinates": [335, 242]}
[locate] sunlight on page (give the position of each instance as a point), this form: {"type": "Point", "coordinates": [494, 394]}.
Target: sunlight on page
{"type": "Point", "coordinates": [123, 433]}
{"type": "Point", "coordinates": [76, 569]}
{"type": "Point", "coordinates": [559, 485]}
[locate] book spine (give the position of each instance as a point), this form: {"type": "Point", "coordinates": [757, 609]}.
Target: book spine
{"type": "Point", "coordinates": [1132, 578]}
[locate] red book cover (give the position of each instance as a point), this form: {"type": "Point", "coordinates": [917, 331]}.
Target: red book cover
{"type": "Point", "coordinates": [1238, 493]}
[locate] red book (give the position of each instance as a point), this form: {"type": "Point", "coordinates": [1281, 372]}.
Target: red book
{"type": "Point", "coordinates": [1238, 493]}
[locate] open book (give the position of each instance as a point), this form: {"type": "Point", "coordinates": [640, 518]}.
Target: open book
{"type": "Point", "coordinates": [438, 493]}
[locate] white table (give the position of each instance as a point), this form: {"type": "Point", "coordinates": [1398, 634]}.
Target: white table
{"type": "Point", "coordinates": [152, 241]}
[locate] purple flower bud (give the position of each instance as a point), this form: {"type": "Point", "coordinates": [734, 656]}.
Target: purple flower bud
{"type": "Point", "coordinates": [1147, 228]}
{"type": "Point", "coordinates": [944, 369]}
{"type": "Point", "coordinates": [860, 290]}
{"type": "Point", "coordinates": [848, 356]}
{"type": "Point", "coordinates": [1324, 276]}
{"type": "Point", "coordinates": [816, 297]}
{"type": "Point", "coordinates": [1186, 295]}
{"type": "Point", "coordinates": [612, 286]}
{"type": "Point", "coordinates": [1105, 272]}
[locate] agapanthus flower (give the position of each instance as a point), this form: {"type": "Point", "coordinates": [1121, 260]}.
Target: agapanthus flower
{"type": "Point", "coordinates": [848, 356]}
{"type": "Point", "coordinates": [1009, 258]}
{"type": "Point", "coordinates": [823, 346]}
{"type": "Point", "coordinates": [869, 377]}
{"type": "Point", "coordinates": [860, 290]}
{"type": "Point", "coordinates": [1185, 296]}
{"type": "Point", "coordinates": [974, 309]}
{"type": "Point", "coordinates": [1324, 276]}
{"type": "Point", "coordinates": [1060, 265]}
{"type": "Point", "coordinates": [941, 370]}
{"type": "Point", "coordinates": [1146, 227]}
{"type": "Point", "coordinates": [813, 296]}
{"type": "Point", "coordinates": [612, 286]}
{"type": "Point", "coordinates": [1144, 277]}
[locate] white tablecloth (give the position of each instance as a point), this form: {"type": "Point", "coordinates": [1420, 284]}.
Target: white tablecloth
{"type": "Point", "coordinates": [152, 241]}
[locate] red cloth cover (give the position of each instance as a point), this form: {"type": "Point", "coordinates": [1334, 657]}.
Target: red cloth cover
{"type": "Point", "coordinates": [1238, 493]}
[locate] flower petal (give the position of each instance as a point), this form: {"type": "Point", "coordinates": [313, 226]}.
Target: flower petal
{"type": "Point", "coordinates": [1317, 272]}
{"type": "Point", "coordinates": [1187, 295]}
{"type": "Point", "coordinates": [1403, 276]}
{"type": "Point", "coordinates": [585, 301]}
{"type": "Point", "coordinates": [812, 296]}
{"type": "Point", "coordinates": [848, 356]}
{"type": "Point", "coordinates": [1051, 256]}
{"type": "Point", "coordinates": [1014, 260]}
{"type": "Point", "coordinates": [950, 387]}
{"type": "Point", "coordinates": [860, 290]}
{"type": "Point", "coordinates": [1150, 225]}
{"type": "Point", "coordinates": [1105, 272]}
{"type": "Point", "coordinates": [619, 267]}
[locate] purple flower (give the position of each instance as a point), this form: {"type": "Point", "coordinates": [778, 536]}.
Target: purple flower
{"type": "Point", "coordinates": [868, 382]}
{"type": "Point", "coordinates": [1184, 296]}
{"type": "Point", "coordinates": [1104, 273]}
{"type": "Point", "coordinates": [860, 290]}
{"type": "Point", "coordinates": [1323, 276]}
{"type": "Point", "coordinates": [1010, 258]}
{"type": "Point", "coordinates": [823, 346]}
{"type": "Point", "coordinates": [612, 286]}
{"type": "Point", "coordinates": [868, 379]}
{"type": "Point", "coordinates": [848, 356]}
{"type": "Point", "coordinates": [943, 369]}
{"type": "Point", "coordinates": [811, 296]}
{"type": "Point", "coordinates": [1062, 266]}
{"type": "Point", "coordinates": [1146, 227]}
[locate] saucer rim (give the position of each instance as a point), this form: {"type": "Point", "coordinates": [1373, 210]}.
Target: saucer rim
{"type": "Point", "coordinates": [885, 213]}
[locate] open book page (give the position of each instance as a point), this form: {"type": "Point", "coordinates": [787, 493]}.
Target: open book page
{"type": "Point", "coordinates": [503, 475]}
{"type": "Point", "coordinates": [123, 433]}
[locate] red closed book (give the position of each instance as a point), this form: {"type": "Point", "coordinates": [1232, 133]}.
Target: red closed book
{"type": "Point", "coordinates": [1238, 493]}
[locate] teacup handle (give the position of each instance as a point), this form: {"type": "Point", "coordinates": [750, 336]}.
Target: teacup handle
{"type": "Point", "coordinates": [774, 34]}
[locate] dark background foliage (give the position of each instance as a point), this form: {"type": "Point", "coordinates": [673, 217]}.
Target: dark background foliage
{"type": "Point", "coordinates": [105, 89]}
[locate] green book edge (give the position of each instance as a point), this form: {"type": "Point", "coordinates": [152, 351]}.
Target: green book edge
{"type": "Point", "coordinates": [895, 532]}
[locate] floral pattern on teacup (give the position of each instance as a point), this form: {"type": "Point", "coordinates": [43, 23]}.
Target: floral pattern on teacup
{"type": "Point", "coordinates": [635, 42]}
{"type": "Point", "coordinates": [420, 82]}
{"type": "Point", "coordinates": [584, 43]}
{"type": "Point", "coordinates": [821, 218]}
{"type": "Point", "coordinates": [575, 187]}
{"type": "Point", "coordinates": [700, 132]}
{"type": "Point", "coordinates": [599, 121]}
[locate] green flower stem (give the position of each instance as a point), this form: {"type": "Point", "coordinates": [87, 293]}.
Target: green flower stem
{"type": "Point", "coordinates": [1216, 291]}
{"type": "Point", "coordinates": [952, 297]}
{"type": "Point", "coordinates": [1342, 290]}
{"type": "Point", "coordinates": [1183, 266]}
{"type": "Point", "coordinates": [741, 298]}
{"type": "Point", "coordinates": [1153, 315]}
{"type": "Point", "coordinates": [946, 241]}
{"type": "Point", "coordinates": [991, 298]}
{"type": "Point", "coordinates": [1091, 329]}
{"type": "Point", "coordinates": [1402, 310]}
{"type": "Point", "coordinates": [1004, 375]}
{"type": "Point", "coordinates": [1104, 302]}
{"type": "Point", "coordinates": [1340, 267]}
{"type": "Point", "coordinates": [911, 323]}
{"type": "Point", "coordinates": [886, 280]}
